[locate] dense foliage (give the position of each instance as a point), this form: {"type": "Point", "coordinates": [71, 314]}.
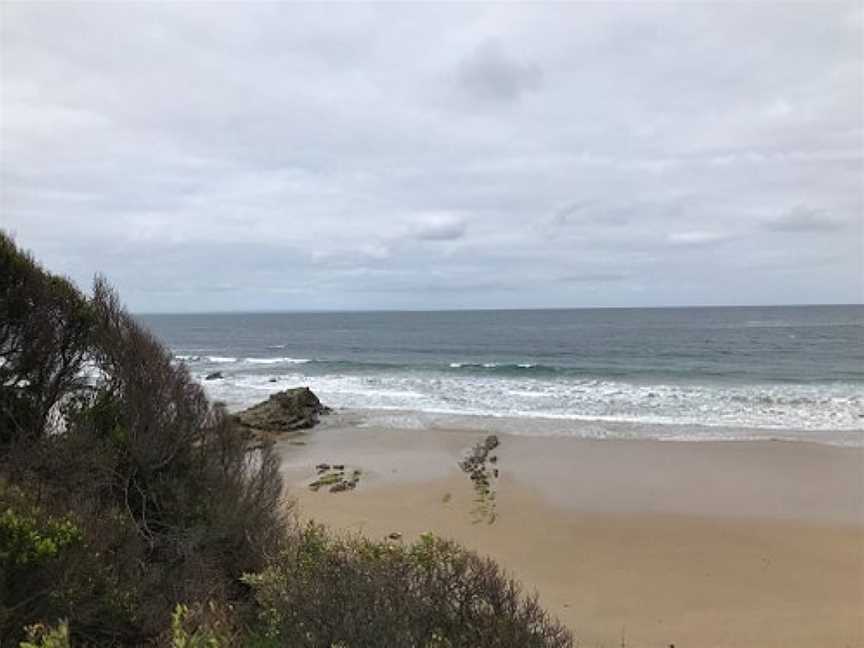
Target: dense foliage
{"type": "Point", "coordinates": [329, 591]}
{"type": "Point", "coordinates": [133, 512]}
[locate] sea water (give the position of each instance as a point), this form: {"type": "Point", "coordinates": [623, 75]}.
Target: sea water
{"type": "Point", "coordinates": [691, 373]}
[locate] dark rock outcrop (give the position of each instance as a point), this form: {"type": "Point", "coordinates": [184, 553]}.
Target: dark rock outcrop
{"type": "Point", "coordinates": [475, 464]}
{"type": "Point", "coordinates": [216, 375]}
{"type": "Point", "coordinates": [285, 411]}
{"type": "Point", "coordinates": [335, 479]}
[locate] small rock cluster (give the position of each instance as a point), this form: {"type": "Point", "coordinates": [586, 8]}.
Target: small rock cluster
{"type": "Point", "coordinates": [335, 477]}
{"type": "Point", "coordinates": [475, 462]}
{"type": "Point", "coordinates": [477, 465]}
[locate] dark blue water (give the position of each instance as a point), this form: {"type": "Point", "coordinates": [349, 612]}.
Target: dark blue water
{"type": "Point", "coordinates": [753, 367]}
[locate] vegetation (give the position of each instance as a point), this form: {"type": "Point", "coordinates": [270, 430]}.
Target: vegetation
{"type": "Point", "coordinates": [329, 591]}
{"type": "Point", "coordinates": [133, 512]}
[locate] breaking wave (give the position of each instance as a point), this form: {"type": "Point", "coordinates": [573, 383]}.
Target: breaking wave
{"type": "Point", "coordinates": [818, 409]}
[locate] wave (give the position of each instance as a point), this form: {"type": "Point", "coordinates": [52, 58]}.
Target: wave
{"type": "Point", "coordinates": [501, 365]}
{"type": "Point", "coordinates": [193, 359]}
{"type": "Point", "coordinates": [686, 373]}
{"type": "Point", "coordinates": [816, 409]}
{"type": "Point", "coordinates": [283, 360]}
{"type": "Point", "coordinates": [353, 365]}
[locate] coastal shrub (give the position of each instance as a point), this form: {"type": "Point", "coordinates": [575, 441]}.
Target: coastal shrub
{"type": "Point", "coordinates": [325, 590]}
{"type": "Point", "coordinates": [32, 545]}
{"type": "Point", "coordinates": [26, 540]}
{"type": "Point", "coordinates": [45, 327]}
{"type": "Point", "coordinates": [136, 510]}
{"type": "Point", "coordinates": [40, 636]}
{"type": "Point", "coordinates": [202, 626]}
{"type": "Point", "coordinates": [132, 491]}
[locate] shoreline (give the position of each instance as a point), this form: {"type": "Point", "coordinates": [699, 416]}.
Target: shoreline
{"type": "Point", "coordinates": [732, 543]}
{"type": "Point", "coordinates": [783, 479]}
{"type": "Point", "coordinates": [584, 428]}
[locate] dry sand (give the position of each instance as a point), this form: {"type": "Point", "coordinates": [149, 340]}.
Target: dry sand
{"type": "Point", "coordinates": [653, 543]}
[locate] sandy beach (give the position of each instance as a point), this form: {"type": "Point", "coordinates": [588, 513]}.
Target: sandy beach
{"type": "Point", "coordinates": [644, 543]}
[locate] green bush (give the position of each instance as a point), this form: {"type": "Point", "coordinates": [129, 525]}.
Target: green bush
{"type": "Point", "coordinates": [325, 590]}
{"type": "Point", "coordinates": [140, 493]}
{"type": "Point", "coordinates": [40, 636]}
{"type": "Point", "coordinates": [45, 326]}
{"type": "Point", "coordinates": [123, 491]}
{"type": "Point", "coordinates": [28, 538]}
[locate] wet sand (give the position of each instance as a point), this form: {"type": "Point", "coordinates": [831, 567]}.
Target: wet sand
{"type": "Point", "coordinates": [656, 543]}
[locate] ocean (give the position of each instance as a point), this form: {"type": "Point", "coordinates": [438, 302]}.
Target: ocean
{"type": "Point", "coordinates": [791, 372]}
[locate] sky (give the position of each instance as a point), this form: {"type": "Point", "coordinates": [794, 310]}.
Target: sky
{"type": "Point", "coordinates": [212, 157]}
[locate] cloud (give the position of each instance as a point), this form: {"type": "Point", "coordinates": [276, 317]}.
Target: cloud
{"type": "Point", "coordinates": [604, 213]}
{"type": "Point", "coordinates": [439, 227]}
{"type": "Point", "coordinates": [568, 213]}
{"type": "Point", "coordinates": [272, 155]}
{"type": "Point", "coordinates": [594, 277]}
{"type": "Point", "coordinates": [802, 219]}
{"type": "Point", "coordinates": [697, 237]}
{"type": "Point", "coordinates": [489, 75]}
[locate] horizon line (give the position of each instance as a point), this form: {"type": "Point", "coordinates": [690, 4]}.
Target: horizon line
{"type": "Point", "coordinates": [301, 311]}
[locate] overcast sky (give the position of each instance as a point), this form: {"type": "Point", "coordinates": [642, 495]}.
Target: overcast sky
{"type": "Point", "coordinates": [274, 156]}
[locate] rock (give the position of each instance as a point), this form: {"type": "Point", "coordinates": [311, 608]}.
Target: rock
{"type": "Point", "coordinates": [328, 479]}
{"type": "Point", "coordinates": [491, 442]}
{"type": "Point", "coordinates": [272, 380]}
{"type": "Point", "coordinates": [285, 411]}
{"type": "Point", "coordinates": [216, 375]}
{"type": "Point", "coordinates": [394, 536]}
{"type": "Point", "coordinates": [476, 464]}
{"type": "Point", "coordinates": [333, 476]}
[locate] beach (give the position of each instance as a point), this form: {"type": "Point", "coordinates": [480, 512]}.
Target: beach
{"type": "Point", "coordinates": [432, 324]}
{"type": "Point", "coordinates": [634, 542]}
{"type": "Point", "coordinates": [672, 476]}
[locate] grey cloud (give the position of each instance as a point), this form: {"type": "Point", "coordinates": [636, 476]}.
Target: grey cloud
{"type": "Point", "coordinates": [604, 213]}
{"type": "Point", "coordinates": [697, 237]}
{"type": "Point", "coordinates": [282, 156]}
{"type": "Point", "coordinates": [444, 286]}
{"type": "Point", "coordinates": [594, 277]}
{"type": "Point", "coordinates": [440, 227]}
{"type": "Point", "coordinates": [802, 219]}
{"type": "Point", "coordinates": [566, 214]}
{"type": "Point", "coordinates": [490, 75]}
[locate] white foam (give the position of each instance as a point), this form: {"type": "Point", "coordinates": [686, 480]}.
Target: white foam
{"type": "Point", "coordinates": [221, 359]}
{"type": "Point", "coordinates": [830, 412]}
{"type": "Point", "coordinates": [269, 361]}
